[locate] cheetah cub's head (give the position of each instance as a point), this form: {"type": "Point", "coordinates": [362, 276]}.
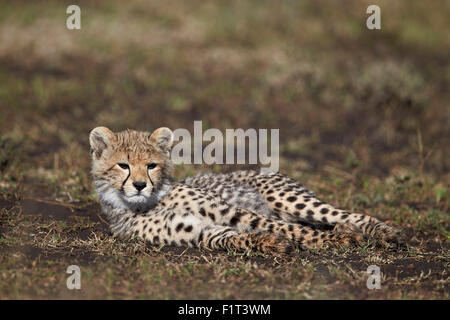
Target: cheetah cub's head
{"type": "Point", "coordinates": [131, 169]}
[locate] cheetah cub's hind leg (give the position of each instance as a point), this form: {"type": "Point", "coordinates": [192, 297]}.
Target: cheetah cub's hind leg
{"type": "Point", "coordinates": [376, 232]}
{"type": "Point", "coordinates": [292, 202]}
{"type": "Point", "coordinates": [384, 235]}
{"type": "Point", "coordinates": [302, 236]}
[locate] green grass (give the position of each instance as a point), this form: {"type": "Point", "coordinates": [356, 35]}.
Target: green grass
{"type": "Point", "coordinates": [363, 118]}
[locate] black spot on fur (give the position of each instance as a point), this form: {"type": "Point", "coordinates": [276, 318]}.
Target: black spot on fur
{"type": "Point", "coordinates": [300, 206]}
{"type": "Point", "coordinates": [254, 223]}
{"type": "Point", "coordinates": [316, 204]}
{"type": "Point", "coordinates": [234, 220]}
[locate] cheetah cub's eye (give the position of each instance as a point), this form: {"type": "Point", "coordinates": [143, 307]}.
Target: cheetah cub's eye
{"type": "Point", "coordinates": [151, 166]}
{"type": "Point", "coordinates": [124, 166]}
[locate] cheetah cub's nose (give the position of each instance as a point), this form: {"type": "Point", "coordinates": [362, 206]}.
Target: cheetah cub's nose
{"type": "Point", "coordinates": [139, 185]}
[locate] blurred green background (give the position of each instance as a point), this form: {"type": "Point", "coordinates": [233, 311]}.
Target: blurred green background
{"type": "Point", "coordinates": [364, 115]}
{"type": "Point", "coordinates": [340, 93]}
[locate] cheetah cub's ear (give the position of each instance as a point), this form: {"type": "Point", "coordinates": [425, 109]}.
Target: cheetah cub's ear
{"type": "Point", "coordinates": [163, 138]}
{"type": "Point", "coordinates": [100, 138]}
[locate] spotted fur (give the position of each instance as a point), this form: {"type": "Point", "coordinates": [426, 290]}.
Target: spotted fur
{"type": "Point", "coordinates": [243, 210]}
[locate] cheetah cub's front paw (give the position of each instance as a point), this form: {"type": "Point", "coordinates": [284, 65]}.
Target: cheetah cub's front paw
{"type": "Point", "coordinates": [269, 243]}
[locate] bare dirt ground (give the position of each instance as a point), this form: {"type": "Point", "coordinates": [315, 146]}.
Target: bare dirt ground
{"type": "Point", "coordinates": [364, 121]}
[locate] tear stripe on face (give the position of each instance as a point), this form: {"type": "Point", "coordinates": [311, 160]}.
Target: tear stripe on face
{"type": "Point", "coordinates": [113, 197]}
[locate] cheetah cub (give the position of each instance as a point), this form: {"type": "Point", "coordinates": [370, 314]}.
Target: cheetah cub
{"type": "Point", "coordinates": [242, 210]}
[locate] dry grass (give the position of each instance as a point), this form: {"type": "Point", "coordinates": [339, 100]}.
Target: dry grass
{"type": "Point", "coordinates": [363, 118]}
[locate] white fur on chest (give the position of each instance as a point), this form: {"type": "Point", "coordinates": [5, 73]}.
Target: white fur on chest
{"type": "Point", "coordinates": [112, 197]}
